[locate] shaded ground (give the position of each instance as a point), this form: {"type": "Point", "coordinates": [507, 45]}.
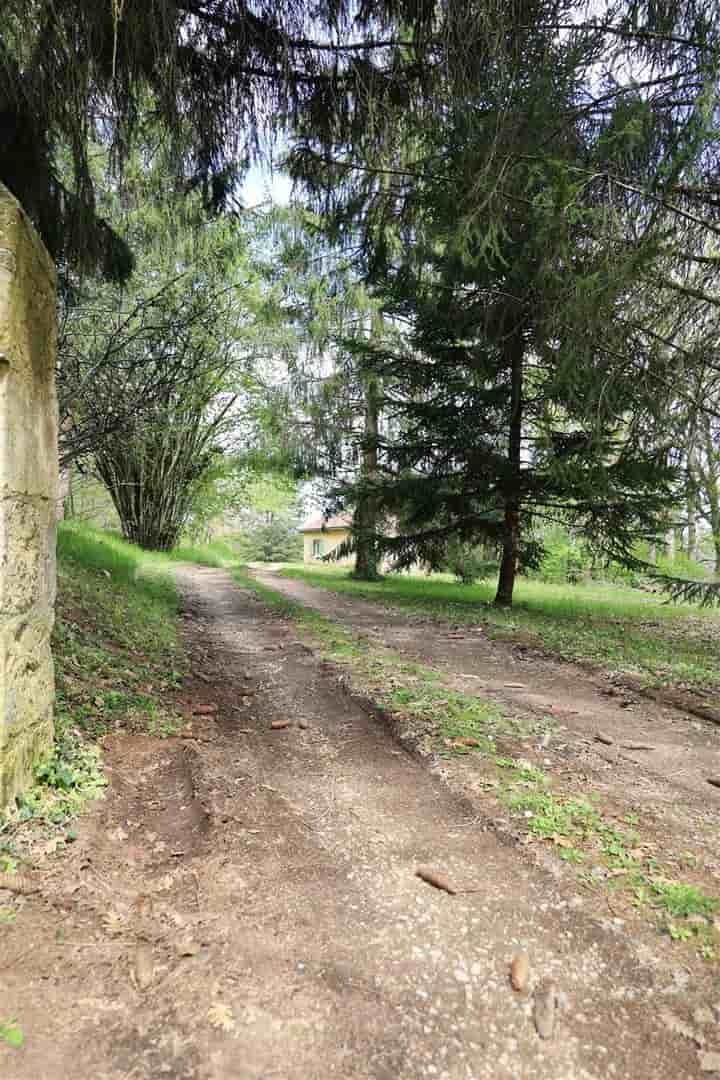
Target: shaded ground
{"type": "Point", "coordinates": [244, 902]}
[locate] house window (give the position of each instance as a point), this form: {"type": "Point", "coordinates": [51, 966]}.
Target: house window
{"type": "Point", "coordinates": [317, 549]}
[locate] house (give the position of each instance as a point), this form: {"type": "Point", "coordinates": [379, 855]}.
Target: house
{"type": "Point", "coordinates": [322, 535]}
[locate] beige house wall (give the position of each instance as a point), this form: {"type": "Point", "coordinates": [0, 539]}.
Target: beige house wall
{"type": "Point", "coordinates": [28, 497]}
{"type": "Point", "coordinates": [328, 539]}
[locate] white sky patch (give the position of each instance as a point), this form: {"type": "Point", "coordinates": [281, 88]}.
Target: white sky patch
{"type": "Point", "coordinates": [263, 185]}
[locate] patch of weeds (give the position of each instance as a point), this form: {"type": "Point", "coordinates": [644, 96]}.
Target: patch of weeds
{"type": "Point", "coordinates": [7, 916]}
{"type": "Point", "coordinates": [522, 771]}
{"type": "Point", "coordinates": [68, 778]}
{"type": "Point", "coordinates": [682, 901]}
{"type": "Point", "coordinates": [547, 815]}
{"type": "Point", "coordinates": [680, 933]}
{"type": "Point", "coordinates": [578, 828]}
{"type": "Point", "coordinates": [163, 727]}
{"type": "Point", "coordinates": [11, 1033]}
{"type": "Point", "coordinates": [571, 855]}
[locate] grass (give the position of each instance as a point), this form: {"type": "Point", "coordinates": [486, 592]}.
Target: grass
{"type": "Point", "coordinates": [11, 1033]}
{"type": "Point", "coordinates": [616, 627]}
{"type": "Point", "coordinates": [115, 642]}
{"type": "Point", "coordinates": [217, 553]}
{"type": "Point", "coordinates": [608, 855]}
{"type": "Point", "coordinates": [117, 664]}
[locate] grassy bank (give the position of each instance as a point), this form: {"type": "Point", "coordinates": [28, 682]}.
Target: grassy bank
{"type": "Point", "coordinates": [115, 641]}
{"type": "Point", "coordinates": [616, 627]}
{"type": "Point", "coordinates": [117, 663]}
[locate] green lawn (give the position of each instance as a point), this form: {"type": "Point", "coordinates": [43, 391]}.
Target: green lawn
{"type": "Point", "coordinates": [617, 627]}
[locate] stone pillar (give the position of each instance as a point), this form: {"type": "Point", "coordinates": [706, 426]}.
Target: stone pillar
{"type": "Point", "coordinates": [28, 497]}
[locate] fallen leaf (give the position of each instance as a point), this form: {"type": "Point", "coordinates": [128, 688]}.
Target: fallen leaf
{"type": "Point", "coordinates": [187, 948]}
{"type": "Point", "coordinates": [438, 881]}
{"type": "Point", "coordinates": [113, 921]}
{"type": "Point", "coordinates": [206, 709]}
{"type": "Point", "coordinates": [18, 883]}
{"type": "Point", "coordinates": [520, 972]}
{"type": "Point", "coordinates": [143, 967]}
{"type": "Point", "coordinates": [278, 725]}
{"type": "Point", "coordinates": [221, 1016]}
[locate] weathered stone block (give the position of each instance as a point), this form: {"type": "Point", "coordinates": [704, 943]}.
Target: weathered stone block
{"type": "Point", "coordinates": [28, 496]}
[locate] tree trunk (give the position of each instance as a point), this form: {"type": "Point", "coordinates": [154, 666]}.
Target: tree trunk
{"type": "Point", "coordinates": [692, 508]}
{"type": "Point", "coordinates": [712, 491]}
{"type": "Point", "coordinates": [511, 535]}
{"type": "Point", "coordinates": [365, 517]}
{"type": "Point", "coordinates": [678, 546]}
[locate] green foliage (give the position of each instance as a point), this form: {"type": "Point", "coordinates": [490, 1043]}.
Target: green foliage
{"type": "Point", "coordinates": [274, 541]}
{"type": "Point", "coordinates": [681, 901]}
{"type": "Point", "coordinates": [11, 1033]}
{"type": "Point", "coordinates": [115, 638]}
{"type": "Point", "coordinates": [564, 560]}
{"type": "Point", "coordinates": [217, 553]}
{"type": "Point", "coordinates": [468, 562]}
{"type": "Point", "coordinates": [72, 775]}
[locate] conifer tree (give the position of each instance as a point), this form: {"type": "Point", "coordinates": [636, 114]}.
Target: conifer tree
{"type": "Point", "coordinates": [512, 236]}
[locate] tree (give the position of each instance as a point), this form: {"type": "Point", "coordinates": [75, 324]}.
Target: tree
{"type": "Point", "coordinates": [509, 254]}
{"type": "Point", "coordinates": [331, 409]}
{"type": "Point", "coordinates": [217, 75]}
{"type": "Point", "coordinates": [514, 234]}
{"type": "Point", "coordinates": [159, 377]}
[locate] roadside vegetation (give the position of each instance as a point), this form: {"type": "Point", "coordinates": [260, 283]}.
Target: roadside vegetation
{"type": "Point", "coordinates": [609, 855]}
{"type": "Point", "coordinates": [612, 625]}
{"type": "Point", "coordinates": [117, 662]}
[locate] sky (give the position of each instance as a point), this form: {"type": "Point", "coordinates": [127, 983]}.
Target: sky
{"type": "Point", "coordinates": [263, 185]}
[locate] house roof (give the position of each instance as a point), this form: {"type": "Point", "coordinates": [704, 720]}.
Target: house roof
{"type": "Point", "coordinates": [318, 522]}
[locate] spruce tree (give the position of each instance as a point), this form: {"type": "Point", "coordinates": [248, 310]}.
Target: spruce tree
{"type": "Point", "coordinates": [512, 238]}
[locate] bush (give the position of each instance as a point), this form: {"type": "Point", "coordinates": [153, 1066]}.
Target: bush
{"type": "Point", "coordinates": [468, 562]}
{"type": "Point", "coordinates": [564, 562]}
{"type": "Point", "coordinates": [276, 541]}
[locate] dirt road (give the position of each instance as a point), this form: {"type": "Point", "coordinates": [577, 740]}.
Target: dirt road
{"type": "Point", "coordinates": [665, 776]}
{"type": "Point", "coordinates": [244, 904]}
